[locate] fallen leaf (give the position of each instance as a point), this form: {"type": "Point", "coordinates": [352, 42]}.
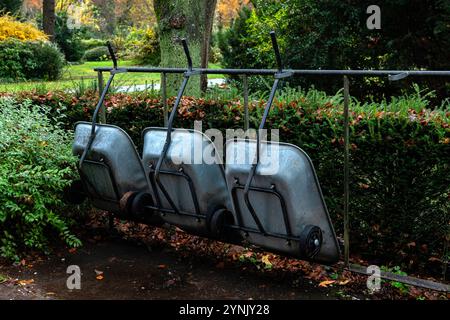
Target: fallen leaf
{"type": "Point", "coordinates": [162, 266]}
{"type": "Point", "coordinates": [326, 283]}
{"type": "Point", "coordinates": [411, 244]}
{"type": "Point", "coordinates": [99, 277]}
{"type": "Point", "coordinates": [266, 261]}
{"type": "Point", "coordinates": [434, 259]}
{"type": "Point", "coordinates": [3, 278]}
{"type": "Point", "coordinates": [343, 282]}
{"type": "Point", "coordinates": [25, 282]}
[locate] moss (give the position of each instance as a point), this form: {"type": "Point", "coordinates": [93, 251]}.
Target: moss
{"type": "Point", "coordinates": [191, 28]}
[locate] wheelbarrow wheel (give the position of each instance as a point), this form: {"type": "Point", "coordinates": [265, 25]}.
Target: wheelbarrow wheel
{"type": "Point", "coordinates": [217, 222]}
{"type": "Point", "coordinates": [74, 193]}
{"type": "Point", "coordinates": [139, 210]}
{"type": "Point", "coordinates": [310, 241]}
{"type": "Point", "coordinates": [125, 203]}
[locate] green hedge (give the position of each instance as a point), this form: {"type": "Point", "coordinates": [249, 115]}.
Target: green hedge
{"type": "Point", "coordinates": [400, 177]}
{"type": "Point", "coordinates": [30, 60]}
{"type": "Point", "coordinates": [96, 54]}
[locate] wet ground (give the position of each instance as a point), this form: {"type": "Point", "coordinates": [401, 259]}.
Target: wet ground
{"type": "Point", "coordinates": [115, 269]}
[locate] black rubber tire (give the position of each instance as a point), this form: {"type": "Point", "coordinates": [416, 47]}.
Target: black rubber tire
{"type": "Point", "coordinates": [74, 193]}
{"type": "Point", "coordinates": [218, 220]}
{"type": "Point", "coordinates": [138, 209]}
{"type": "Point", "coordinates": [125, 203]}
{"type": "Point", "coordinates": [310, 241]}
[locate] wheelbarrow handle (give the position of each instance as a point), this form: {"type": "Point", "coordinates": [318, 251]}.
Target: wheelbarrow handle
{"type": "Point", "coordinates": [187, 53]}
{"type": "Point", "coordinates": [276, 50]}
{"type": "Point", "coordinates": [173, 114]}
{"type": "Point", "coordinates": [112, 54]}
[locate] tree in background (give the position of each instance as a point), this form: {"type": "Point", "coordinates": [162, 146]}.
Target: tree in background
{"type": "Point", "coordinates": [49, 18]}
{"type": "Point", "coordinates": [227, 10]}
{"type": "Point", "coordinates": [11, 6]}
{"type": "Point", "coordinates": [189, 19]}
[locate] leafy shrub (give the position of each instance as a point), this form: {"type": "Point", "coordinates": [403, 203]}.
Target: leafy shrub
{"type": "Point", "coordinates": [92, 43]}
{"type": "Point", "coordinates": [11, 6]}
{"type": "Point", "coordinates": [35, 165]}
{"type": "Point", "coordinates": [68, 39]}
{"type": "Point", "coordinates": [11, 28]}
{"type": "Point", "coordinates": [96, 54]}
{"type": "Point", "coordinates": [400, 175]}
{"type": "Point", "coordinates": [30, 60]}
{"type": "Point", "coordinates": [142, 45]}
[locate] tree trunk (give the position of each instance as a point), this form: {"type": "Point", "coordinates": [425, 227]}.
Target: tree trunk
{"type": "Point", "coordinates": [48, 21]}
{"type": "Point", "coordinates": [210, 7]}
{"type": "Point", "coordinates": [190, 19]}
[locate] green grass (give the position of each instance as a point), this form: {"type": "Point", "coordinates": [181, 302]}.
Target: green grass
{"type": "Point", "coordinates": [84, 75]}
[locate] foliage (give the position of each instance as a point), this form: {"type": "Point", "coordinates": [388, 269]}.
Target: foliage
{"type": "Point", "coordinates": [35, 165]}
{"type": "Point", "coordinates": [333, 35]}
{"type": "Point", "coordinates": [11, 28]}
{"type": "Point", "coordinates": [11, 6]}
{"type": "Point", "coordinates": [91, 43]}
{"type": "Point", "coordinates": [227, 10]}
{"type": "Point", "coordinates": [68, 40]}
{"type": "Point", "coordinates": [30, 60]}
{"type": "Point", "coordinates": [96, 54]}
{"type": "Point", "coordinates": [142, 45]}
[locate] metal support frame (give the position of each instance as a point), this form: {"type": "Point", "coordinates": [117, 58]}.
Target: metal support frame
{"type": "Point", "coordinates": [346, 172]}
{"type": "Point", "coordinates": [246, 114]}
{"type": "Point", "coordinates": [188, 179]}
{"type": "Point", "coordinates": [288, 237]}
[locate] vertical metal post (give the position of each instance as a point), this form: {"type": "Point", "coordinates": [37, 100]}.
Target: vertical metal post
{"type": "Point", "coordinates": [102, 116]}
{"type": "Point", "coordinates": [246, 115]}
{"type": "Point", "coordinates": [164, 98]}
{"type": "Point", "coordinates": [346, 171]}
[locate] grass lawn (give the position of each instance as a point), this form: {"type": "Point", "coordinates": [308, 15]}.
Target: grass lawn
{"type": "Point", "coordinates": [84, 76]}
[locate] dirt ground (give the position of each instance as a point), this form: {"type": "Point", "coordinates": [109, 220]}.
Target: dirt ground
{"type": "Point", "coordinates": [134, 261]}
{"type": "Point", "coordinates": [115, 269]}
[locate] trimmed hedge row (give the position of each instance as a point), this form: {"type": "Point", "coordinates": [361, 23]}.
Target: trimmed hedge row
{"type": "Point", "coordinates": [400, 177]}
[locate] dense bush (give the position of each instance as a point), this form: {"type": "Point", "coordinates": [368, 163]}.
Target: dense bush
{"type": "Point", "coordinates": [68, 39]}
{"type": "Point", "coordinates": [92, 43]}
{"type": "Point", "coordinates": [35, 165]}
{"type": "Point", "coordinates": [30, 60]}
{"type": "Point", "coordinates": [11, 28]}
{"type": "Point", "coordinates": [96, 54]}
{"type": "Point", "coordinates": [142, 45]}
{"type": "Point", "coordinates": [332, 34]}
{"type": "Point", "coordinates": [400, 175]}
{"type": "Point", "coordinates": [138, 44]}
{"type": "Point", "coordinates": [11, 6]}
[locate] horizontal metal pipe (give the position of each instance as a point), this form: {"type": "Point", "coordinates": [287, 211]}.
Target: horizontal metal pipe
{"type": "Point", "coordinates": [271, 72]}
